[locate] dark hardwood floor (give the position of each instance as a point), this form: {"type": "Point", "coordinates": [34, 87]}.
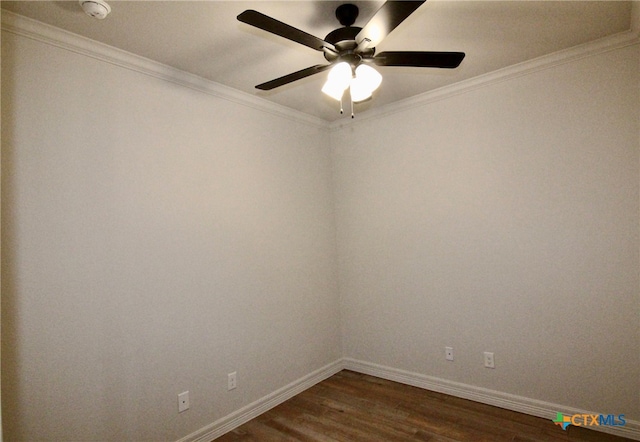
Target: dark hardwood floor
{"type": "Point", "coordinates": [355, 407]}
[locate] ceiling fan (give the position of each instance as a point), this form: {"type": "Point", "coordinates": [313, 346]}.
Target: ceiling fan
{"type": "Point", "coordinates": [350, 49]}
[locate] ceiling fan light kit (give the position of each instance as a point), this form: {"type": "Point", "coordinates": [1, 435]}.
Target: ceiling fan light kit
{"type": "Point", "coordinates": [350, 49]}
{"type": "Point", "coordinates": [365, 82]}
{"type": "Point", "coordinates": [362, 81]}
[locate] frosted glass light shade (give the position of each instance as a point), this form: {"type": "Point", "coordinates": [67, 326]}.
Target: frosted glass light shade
{"type": "Point", "coordinates": [338, 80]}
{"type": "Point", "coordinates": [365, 82]}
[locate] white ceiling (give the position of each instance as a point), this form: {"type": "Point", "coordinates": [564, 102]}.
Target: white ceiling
{"type": "Point", "coordinates": [206, 39]}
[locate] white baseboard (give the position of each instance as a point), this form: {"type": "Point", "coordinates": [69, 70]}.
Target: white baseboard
{"type": "Point", "coordinates": [546, 410]}
{"type": "Point", "coordinates": [255, 409]}
{"type": "Point", "coordinates": [511, 402]}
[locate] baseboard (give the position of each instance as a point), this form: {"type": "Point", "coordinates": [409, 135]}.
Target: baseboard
{"type": "Point", "coordinates": [520, 404]}
{"type": "Point", "coordinates": [533, 407]}
{"type": "Point", "coordinates": [255, 409]}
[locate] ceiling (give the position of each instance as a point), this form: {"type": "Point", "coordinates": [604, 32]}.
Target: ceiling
{"type": "Point", "coordinates": [206, 39]}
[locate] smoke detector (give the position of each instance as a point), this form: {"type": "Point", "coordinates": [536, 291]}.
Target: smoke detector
{"type": "Point", "coordinates": [95, 8]}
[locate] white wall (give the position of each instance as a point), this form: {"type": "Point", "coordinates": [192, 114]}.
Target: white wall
{"type": "Point", "coordinates": [155, 239]}
{"type": "Point", "coordinates": [503, 219]}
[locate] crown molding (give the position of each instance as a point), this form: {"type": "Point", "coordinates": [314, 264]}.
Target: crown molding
{"type": "Point", "coordinates": [606, 44]}
{"type": "Point", "coordinates": [51, 35]}
{"type": "Point", "coordinates": [54, 36]}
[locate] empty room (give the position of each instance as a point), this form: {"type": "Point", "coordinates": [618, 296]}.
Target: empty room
{"type": "Point", "coordinates": [213, 208]}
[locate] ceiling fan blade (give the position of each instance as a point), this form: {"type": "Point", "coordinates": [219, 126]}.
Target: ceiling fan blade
{"type": "Point", "coordinates": [385, 20]}
{"type": "Point", "coordinates": [293, 77]}
{"type": "Point", "coordinates": [266, 23]}
{"type": "Point", "coordinates": [447, 60]}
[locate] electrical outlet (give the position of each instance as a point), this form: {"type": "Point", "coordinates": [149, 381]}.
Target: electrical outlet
{"type": "Point", "coordinates": [231, 381]}
{"type": "Point", "coordinates": [489, 362]}
{"type": "Point", "coordinates": [183, 402]}
{"type": "Point", "coordinates": [448, 353]}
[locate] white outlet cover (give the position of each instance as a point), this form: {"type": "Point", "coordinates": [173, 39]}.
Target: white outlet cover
{"type": "Point", "coordinates": [489, 361]}
{"type": "Point", "coordinates": [448, 353]}
{"type": "Point", "coordinates": [183, 402]}
{"type": "Point", "coordinates": [231, 381]}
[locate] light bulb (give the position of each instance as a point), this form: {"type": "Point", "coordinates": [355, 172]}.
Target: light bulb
{"type": "Point", "coordinates": [331, 90]}
{"type": "Point", "coordinates": [369, 76]}
{"type": "Point", "coordinates": [359, 90]}
{"type": "Point", "coordinates": [338, 80]}
{"type": "Point", "coordinates": [340, 77]}
{"type": "Point", "coordinates": [366, 81]}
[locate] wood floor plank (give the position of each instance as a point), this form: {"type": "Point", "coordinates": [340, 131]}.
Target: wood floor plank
{"type": "Point", "coordinates": [353, 407]}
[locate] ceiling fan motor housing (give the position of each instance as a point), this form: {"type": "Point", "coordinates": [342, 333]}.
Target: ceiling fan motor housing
{"type": "Point", "coordinates": [344, 39]}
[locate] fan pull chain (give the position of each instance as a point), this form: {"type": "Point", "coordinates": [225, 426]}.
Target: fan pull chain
{"type": "Point", "coordinates": [352, 114]}
{"type": "Point", "coordinates": [341, 109]}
